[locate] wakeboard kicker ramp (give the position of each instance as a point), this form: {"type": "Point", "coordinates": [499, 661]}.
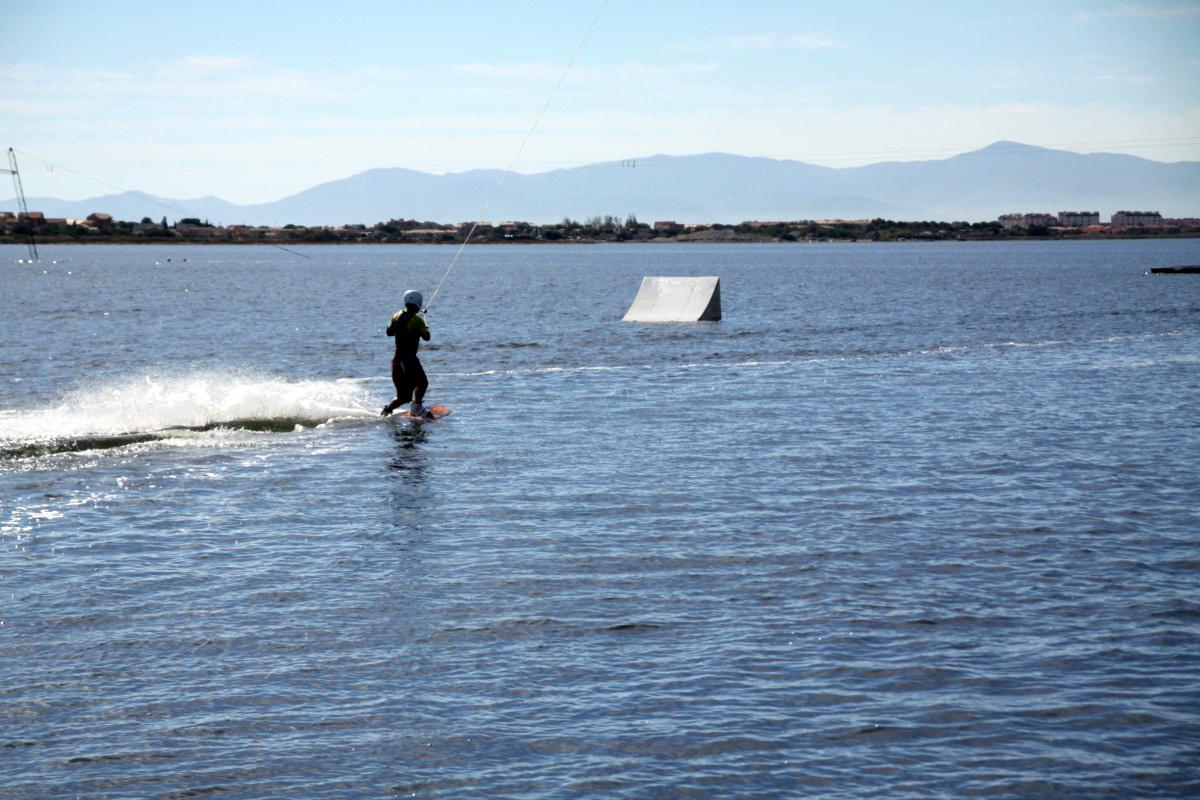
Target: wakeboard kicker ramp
{"type": "Point", "coordinates": [672, 299]}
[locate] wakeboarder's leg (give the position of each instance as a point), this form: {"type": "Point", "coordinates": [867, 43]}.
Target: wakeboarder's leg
{"type": "Point", "coordinates": [419, 383]}
{"type": "Point", "coordinates": [403, 387]}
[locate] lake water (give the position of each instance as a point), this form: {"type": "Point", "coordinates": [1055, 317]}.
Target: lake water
{"type": "Point", "coordinates": [913, 520]}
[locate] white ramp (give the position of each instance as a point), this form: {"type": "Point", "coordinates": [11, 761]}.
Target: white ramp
{"type": "Point", "coordinates": [662, 299]}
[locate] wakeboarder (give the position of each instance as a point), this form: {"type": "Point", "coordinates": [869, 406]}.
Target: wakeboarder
{"type": "Point", "coordinates": [408, 328]}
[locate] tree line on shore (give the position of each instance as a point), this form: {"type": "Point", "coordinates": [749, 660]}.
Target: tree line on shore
{"type": "Point", "coordinates": [592, 229]}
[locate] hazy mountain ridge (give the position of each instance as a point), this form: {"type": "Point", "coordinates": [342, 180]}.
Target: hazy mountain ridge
{"type": "Point", "coordinates": [711, 187]}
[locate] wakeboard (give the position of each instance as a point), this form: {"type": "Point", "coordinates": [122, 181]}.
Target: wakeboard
{"type": "Point", "coordinates": [434, 412]}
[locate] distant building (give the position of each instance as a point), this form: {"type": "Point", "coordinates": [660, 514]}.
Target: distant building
{"type": "Point", "coordinates": [860, 223]}
{"type": "Point", "coordinates": [34, 219]}
{"type": "Point", "coordinates": [667, 226]}
{"type": "Point", "coordinates": [1010, 221]}
{"type": "Point", "coordinates": [1133, 219]}
{"type": "Point", "coordinates": [252, 232]}
{"type": "Point", "coordinates": [1078, 219]}
{"type": "Point", "coordinates": [429, 233]}
{"type": "Point", "coordinates": [193, 231]}
{"type": "Point", "coordinates": [100, 220]}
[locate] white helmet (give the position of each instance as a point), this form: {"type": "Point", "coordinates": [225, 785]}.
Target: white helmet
{"type": "Point", "coordinates": [413, 298]}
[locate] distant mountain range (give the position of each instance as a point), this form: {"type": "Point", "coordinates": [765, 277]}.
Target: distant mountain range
{"type": "Point", "coordinates": [711, 187]}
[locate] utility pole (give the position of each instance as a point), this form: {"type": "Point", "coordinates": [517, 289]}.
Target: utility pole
{"type": "Point", "coordinates": [16, 176]}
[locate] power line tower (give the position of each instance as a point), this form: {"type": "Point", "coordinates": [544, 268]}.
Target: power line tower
{"type": "Point", "coordinates": [20, 190]}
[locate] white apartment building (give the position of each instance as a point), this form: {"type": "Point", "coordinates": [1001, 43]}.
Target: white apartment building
{"type": "Point", "coordinates": [1078, 219]}
{"type": "Point", "coordinates": [1136, 218]}
{"type": "Point", "coordinates": [1010, 221]}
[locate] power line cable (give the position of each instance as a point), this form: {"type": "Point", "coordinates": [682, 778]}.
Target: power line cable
{"type": "Point", "coordinates": [102, 182]}
{"type": "Point", "coordinates": [142, 195]}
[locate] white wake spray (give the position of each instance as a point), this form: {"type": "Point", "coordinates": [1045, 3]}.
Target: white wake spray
{"type": "Point", "coordinates": [150, 402]}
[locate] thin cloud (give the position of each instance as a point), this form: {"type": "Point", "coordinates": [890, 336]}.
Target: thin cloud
{"type": "Point", "coordinates": [1141, 12]}
{"type": "Point", "coordinates": [1012, 78]}
{"type": "Point", "coordinates": [33, 76]}
{"type": "Point", "coordinates": [659, 70]}
{"type": "Point", "coordinates": [526, 71]}
{"type": "Point", "coordinates": [215, 63]}
{"type": "Point", "coordinates": [1023, 109]}
{"type": "Point", "coordinates": [203, 67]}
{"type": "Point", "coordinates": [766, 42]}
{"type": "Point", "coordinates": [810, 41]}
{"type": "Point", "coordinates": [545, 71]}
{"type": "Point", "coordinates": [217, 81]}
{"type": "Point", "coordinates": [1127, 79]}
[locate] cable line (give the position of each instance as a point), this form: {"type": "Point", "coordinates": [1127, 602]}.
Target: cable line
{"type": "Point", "coordinates": [528, 135]}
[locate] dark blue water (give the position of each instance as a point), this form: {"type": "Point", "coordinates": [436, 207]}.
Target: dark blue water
{"type": "Point", "coordinates": [912, 521]}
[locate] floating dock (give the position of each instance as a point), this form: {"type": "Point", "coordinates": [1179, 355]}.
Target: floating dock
{"type": "Point", "coordinates": [1175, 270]}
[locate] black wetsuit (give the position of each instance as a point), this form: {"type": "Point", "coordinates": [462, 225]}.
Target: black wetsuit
{"type": "Point", "coordinates": [407, 373]}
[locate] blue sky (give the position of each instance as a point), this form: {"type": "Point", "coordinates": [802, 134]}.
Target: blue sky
{"type": "Point", "coordinates": [252, 101]}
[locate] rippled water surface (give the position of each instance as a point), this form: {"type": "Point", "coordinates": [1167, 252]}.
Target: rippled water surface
{"type": "Point", "coordinates": [911, 521]}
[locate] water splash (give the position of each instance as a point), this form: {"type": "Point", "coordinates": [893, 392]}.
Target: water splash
{"type": "Point", "coordinates": [143, 407]}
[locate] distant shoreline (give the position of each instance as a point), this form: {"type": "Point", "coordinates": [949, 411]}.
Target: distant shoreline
{"type": "Point", "coordinates": [174, 241]}
{"type": "Point", "coordinates": [103, 228]}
